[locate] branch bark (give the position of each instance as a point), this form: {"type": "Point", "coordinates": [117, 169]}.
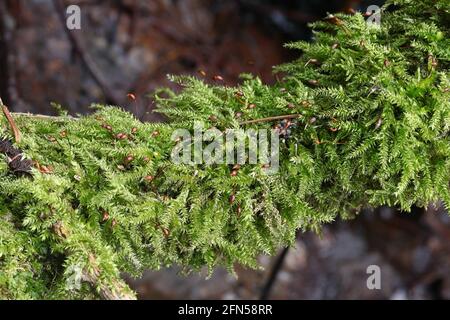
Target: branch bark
{"type": "Point", "coordinates": [118, 291]}
{"type": "Point", "coordinates": [12, 124]}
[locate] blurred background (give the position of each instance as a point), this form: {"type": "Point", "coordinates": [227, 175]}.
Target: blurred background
{"type": "Point", "coordinates": [129, 46]}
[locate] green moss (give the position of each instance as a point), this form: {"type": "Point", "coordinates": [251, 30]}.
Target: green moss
{"type": "Point", "coordinates": [373, 130]}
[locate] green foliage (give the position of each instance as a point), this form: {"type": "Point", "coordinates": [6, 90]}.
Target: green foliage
{"type": "Point", "coordinates": [104, 196]}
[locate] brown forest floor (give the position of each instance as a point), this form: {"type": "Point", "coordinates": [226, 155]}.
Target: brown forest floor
{"type": "Point", "coordinates": [134, 44]}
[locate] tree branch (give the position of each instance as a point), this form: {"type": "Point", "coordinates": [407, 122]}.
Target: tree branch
{"type": "Point", "coordinates": [43, 117]}
{"type": "Point", "coordinates": [269, 119]}
{"type": "Point", "coordinates": [17, 136]}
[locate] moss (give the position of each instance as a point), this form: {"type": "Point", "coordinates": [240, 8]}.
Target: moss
{"type": "Point", "coordinates": [372, 117]}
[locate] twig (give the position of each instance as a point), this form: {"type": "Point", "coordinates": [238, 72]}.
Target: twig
{"type": "Point", "coordinates": [11, 122]}
{"type": "Point", "coordinates": [265, 294]}
{"type": "Point", "coordinates": [269, 119]}
{"type": "Point", "coordinates": [44, 117]}
{"type": "Point", "coordinates": [85, 58]}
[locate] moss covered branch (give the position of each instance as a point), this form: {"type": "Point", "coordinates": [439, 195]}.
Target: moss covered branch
{"type": "Point", "coordinates": [83, 201]}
